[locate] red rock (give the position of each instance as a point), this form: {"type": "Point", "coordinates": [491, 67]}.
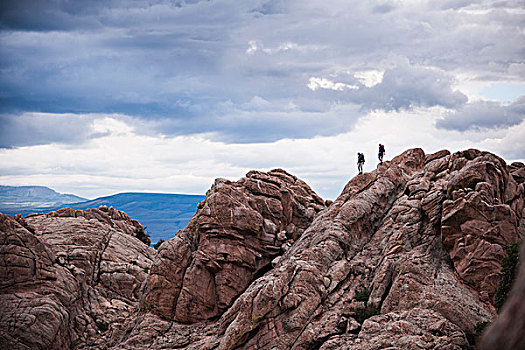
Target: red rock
{"type": "Point", "coordinates": [64, 280]}
{"type": "Point", "coordinates": [508, 329]}
{"type": "Point", "coordinates": [408, 256]}
{"type": "Point", "coordinates": [235, 234]}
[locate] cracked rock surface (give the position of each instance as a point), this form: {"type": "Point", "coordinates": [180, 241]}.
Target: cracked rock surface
{"type": "Point", "coordinates": [236, 233]}
{"type": "Point", "coordinates": [68, 278]}
{"type": "Point", "coordinates": [407, 257]}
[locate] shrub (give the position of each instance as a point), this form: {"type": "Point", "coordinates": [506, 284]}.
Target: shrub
{"type": "Point", "coordinates": [509, 266]}
{"type": "Point", "coordinates": [362, 314]}
{"type": "Point", "coordinates": [157, 245]}
{"type": "Point", "coordinates": [480, 327]}
{"type": "Point", "coordinates": [140, 233]}
{"type": "Point", "coordinates": [362, 295]}
{"type": "Point", "coordinates": [369, 310]}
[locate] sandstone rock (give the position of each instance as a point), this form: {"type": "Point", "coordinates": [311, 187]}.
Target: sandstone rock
{"type": "Point", "coordinates": [383, 235]}
{"type": "Point", "coordinates": [479, 222]}
{"type": "Point", "coordinates": [69, 278]}
{"type": "Point", "coordinates": [232, 239]}
{"type": "Point", "coordinates": [508, 329]}
{"type": "Point", "coordinates": [407, 257]}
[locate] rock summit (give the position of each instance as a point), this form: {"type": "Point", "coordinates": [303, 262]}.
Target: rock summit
{"type": "Point", "coordinates": [409, 256]}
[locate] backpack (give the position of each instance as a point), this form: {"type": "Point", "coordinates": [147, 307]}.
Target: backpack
{"type": "Point", "coordinates": [361, 158]}
{"type": "Point", "coordinates": [381, 148]}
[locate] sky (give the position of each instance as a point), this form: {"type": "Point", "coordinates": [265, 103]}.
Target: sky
{"type": "Point", "coordinates": [101, 97]}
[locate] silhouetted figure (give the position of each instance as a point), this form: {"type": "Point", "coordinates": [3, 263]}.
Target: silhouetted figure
{"type": "Point", "coordinates": [381, 153]}
{"type": "Point", "coordinates": [360, 162]}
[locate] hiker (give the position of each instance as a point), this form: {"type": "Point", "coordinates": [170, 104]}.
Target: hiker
{"type": "Point", "coordinates": [381, 153]}
{"type": "Point", "coordinates": [360, 162]}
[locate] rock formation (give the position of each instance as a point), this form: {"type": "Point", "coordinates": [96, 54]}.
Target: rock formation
{"type": "Point", "coordinates": [233, 238]}
{"type": "Point", "coordinates": [508, 330]}
{"type": "Point", "coordinates": [68, 276]}
{"type": "Point", "coordinates": [408, 256]}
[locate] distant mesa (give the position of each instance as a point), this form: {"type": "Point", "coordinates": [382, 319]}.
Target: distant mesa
{"type": "Point", "coordinates": [162, 214]}
{"type": "Point", "coordinates": [13, 198]}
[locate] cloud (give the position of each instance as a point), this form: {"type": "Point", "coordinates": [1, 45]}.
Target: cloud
{"type": "Point", "coordinates": [123, 159]}
{"type": "Point", "coordinates": [323, 83]}
{"type": "Point", "coordinates": [406, 86]}
{"type": "Point", "coordinates": [369, 78]}
{"type": "Point", "coordinates": [484, 115]}
{"type": "Point", "coordinates": [191, 67]}
{"type": "Point", "coordinates": [31, 129]}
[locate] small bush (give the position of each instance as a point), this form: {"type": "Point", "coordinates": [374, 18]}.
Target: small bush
{"type": "Point", "coordinates": [157, 245]}
{"type": "Point", "coordinates": [362, 314]}
{"type": "Point", "coordinates": [480, 327]}
{"type": "Point", "coordinates": [362, 295]}
{"type": "Point", "coordinates": [370, 310]}
{"type": "Point", "coordinates": [141, 234]}
{"type": "Point", "coordinates": [509, 266]}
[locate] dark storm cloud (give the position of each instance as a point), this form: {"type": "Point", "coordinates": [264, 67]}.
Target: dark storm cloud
{"type": "Point", "coordinates": [198, 66]}
{"type": "Point", "coordinates": [485, 115]}
{"type": "Point", "coordinates": [31, 129]}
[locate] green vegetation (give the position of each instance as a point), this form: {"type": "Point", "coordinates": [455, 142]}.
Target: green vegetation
{"type": "Point", "coordinates": [369, 310]}
{"type": "Point", "coordinates": [480, 327]}
{"type": "Point", "coordinates": [102, 326]}
{"type": "Point", "coordinates": [140, 233]}
{"type": "Point", "coordinates": [362, 314]}
{"type": "Point", "coordinates": [509, 265]}
{"type": "Point", "coordinates": [157, 245]}
{"type": "Point", "coordinates": [362, 295]}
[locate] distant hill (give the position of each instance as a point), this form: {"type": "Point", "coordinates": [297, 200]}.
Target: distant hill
{"type": "Point", "coordinates": [26, 199]}
{"type": "Point", "coordinates": [163, 214]}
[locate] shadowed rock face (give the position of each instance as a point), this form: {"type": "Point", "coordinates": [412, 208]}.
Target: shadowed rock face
{"type": "Point", "coordinates": [234, 236]}
{"type": "Point", "coordinates": [68, 275]}
{"type": "Point", "coordinates": [508, 330]}
{"type": "Point", "coordinates": [408, 256]}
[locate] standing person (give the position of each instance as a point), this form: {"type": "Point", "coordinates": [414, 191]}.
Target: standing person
{"type": "Point", "coordinates": [381, 152]}
{"type": "Point", "coordinates": [360, 162]}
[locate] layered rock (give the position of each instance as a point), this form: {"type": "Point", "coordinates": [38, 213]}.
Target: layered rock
{"type": "Point", "coordinates": [508, 330]}
{"type": "Point", "coordinates": [236, 233]}
{"type": "Point", "coordinates": [408, 256]}
{"type": "Point", "coordinates": [68, 278]}
{"type": "Point", "coordinates": [381, 267]}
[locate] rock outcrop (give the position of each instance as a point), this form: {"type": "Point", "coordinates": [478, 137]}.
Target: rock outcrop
{"type": "Point", "coordinates": [409, 256]}
{"type": "Point", "coordinates": [236, 233]}
{"type": "Point", "coordinates": [508, 330]}
{"type": "Point", "coordinates": [68, 277]}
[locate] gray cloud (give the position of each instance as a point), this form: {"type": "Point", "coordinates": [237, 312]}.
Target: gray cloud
{"type": "Point", "coordinates": [406, 86]}
{"type": "Point", "coordinates": [31, 129]}
{"type": "Point", "coordinates": [484, 115]}
{"type": "Point", "coordinates": [173, 65]}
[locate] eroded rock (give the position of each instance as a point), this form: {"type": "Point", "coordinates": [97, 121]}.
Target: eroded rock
{"type": "Point", "coordinates": [232, 239]}
{"type": "Point", "coordinates": [69, 278]}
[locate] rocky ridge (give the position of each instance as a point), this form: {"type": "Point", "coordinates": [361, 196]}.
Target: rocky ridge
{"type": "Point", "coordinates": [67, 275]}
{"type": "Point", "coordinates": [408, 256]}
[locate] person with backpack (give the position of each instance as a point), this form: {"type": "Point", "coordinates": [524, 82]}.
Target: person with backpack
{"type": "Point", "coordinates": [381, 153]}
{"type": "Point", "coordinates": [360, 162]}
